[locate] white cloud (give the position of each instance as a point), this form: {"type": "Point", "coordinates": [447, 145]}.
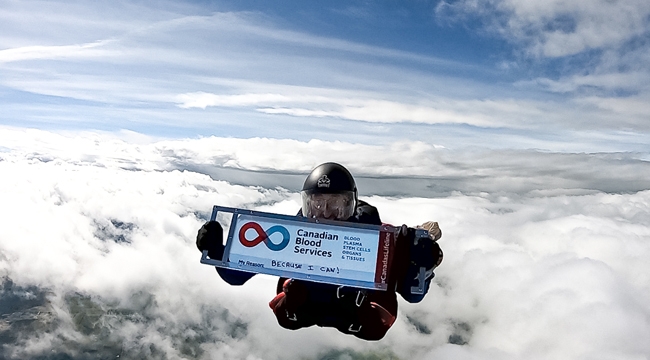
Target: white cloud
{"type": "Point", "coordinates": [560, 28]}
{"type": "Point", "coordinates": [203, 100]}
{"type": "Point", "coordinates": [634, 107]}
{"type": "Point", "coordinates": [112, 242]}
{"type": "Point", "coordinates": [514, 267]}
{"type": "Point", "coordinates": [382, 111]}
{"type": "Point", "coordinates": [371, 108]}
{"type": "Point", "coordinates": [587, 47]}
{"type": "Point", "coordinates": [255, 78]}
{"type": "Point", "coordinates": [436, 170]}
{"type": "Point", "coordinates": [53, 52]}
{"type": "Point", "coordinates": [630, 81]}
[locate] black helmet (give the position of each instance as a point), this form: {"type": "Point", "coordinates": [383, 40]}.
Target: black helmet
{"type": "Point", "coordinates": [329, 178]}
{"type": "Point", "coordinates": [329, 192]}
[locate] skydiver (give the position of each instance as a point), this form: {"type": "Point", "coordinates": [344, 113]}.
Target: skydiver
{"type": "Point", "coordinates": [330, 192]}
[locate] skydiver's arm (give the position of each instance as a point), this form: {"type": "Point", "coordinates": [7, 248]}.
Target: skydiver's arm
{"type": "Point", "coordinates": [210, 237]}
{"type": "Point", "coordinates": [425, 252]}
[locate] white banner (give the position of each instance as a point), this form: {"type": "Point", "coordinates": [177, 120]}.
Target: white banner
{"type": "Point", "coordinates": [291, 246]}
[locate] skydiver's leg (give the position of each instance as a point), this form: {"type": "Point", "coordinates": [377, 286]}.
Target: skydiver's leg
{"type": "Point", "coordinates": [372, 318]}
{"type": "Point", "coordinates": [376, 324]}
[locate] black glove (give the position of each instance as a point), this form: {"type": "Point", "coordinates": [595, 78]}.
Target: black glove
{"type": "Point", "coordinates": [210, 237]}
{"type": "Point", "coordinates": [423, 254]}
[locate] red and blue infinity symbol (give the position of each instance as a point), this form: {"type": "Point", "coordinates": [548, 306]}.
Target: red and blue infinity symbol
{"type": "Point", "coordinates": [263, 236]}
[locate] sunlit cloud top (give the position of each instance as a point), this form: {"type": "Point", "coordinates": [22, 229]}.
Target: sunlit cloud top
{"type": "Point", "coordinates": [97, 252]}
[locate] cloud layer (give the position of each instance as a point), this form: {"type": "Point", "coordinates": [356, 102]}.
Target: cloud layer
{"type": "Point", "coordinates": [100, 250]}
{"type": "Point", "coordinates": [556, 28]}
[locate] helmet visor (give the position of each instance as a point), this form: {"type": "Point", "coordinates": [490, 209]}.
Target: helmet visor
{"type": "Point", "coordinates": [339, 206]}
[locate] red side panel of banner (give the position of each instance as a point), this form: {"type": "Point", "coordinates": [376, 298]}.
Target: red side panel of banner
{"type": "Point", "coordinates": [385, 254]}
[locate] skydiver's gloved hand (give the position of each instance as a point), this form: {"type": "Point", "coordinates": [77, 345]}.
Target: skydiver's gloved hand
{"type": "Point", "coordinates": [210, 237]}
{"type": "Point", "coordinates": [421, 252]}
{"type": "Point", "coordinates": [433, 229]}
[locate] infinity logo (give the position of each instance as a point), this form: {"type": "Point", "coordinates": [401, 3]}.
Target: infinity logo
{"type": "Point", "coordinates": [263, 236]}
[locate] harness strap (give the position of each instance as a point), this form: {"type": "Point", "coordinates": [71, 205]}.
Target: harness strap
{"type": "Point", "coordinates": [342, 291]}
{"type": "Point", "coordinates": [352, 329]}
{"type": "Point", "coordinates": [291, 316]}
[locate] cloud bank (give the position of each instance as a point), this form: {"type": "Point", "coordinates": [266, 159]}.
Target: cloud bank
{"type": "Point", "coordinates": [98, 260]}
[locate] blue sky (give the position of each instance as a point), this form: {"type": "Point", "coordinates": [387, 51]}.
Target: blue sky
{"type": "Point", "coordinates": [494, 74]}
{"type": "Point", "coordinates": [410, 26]}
